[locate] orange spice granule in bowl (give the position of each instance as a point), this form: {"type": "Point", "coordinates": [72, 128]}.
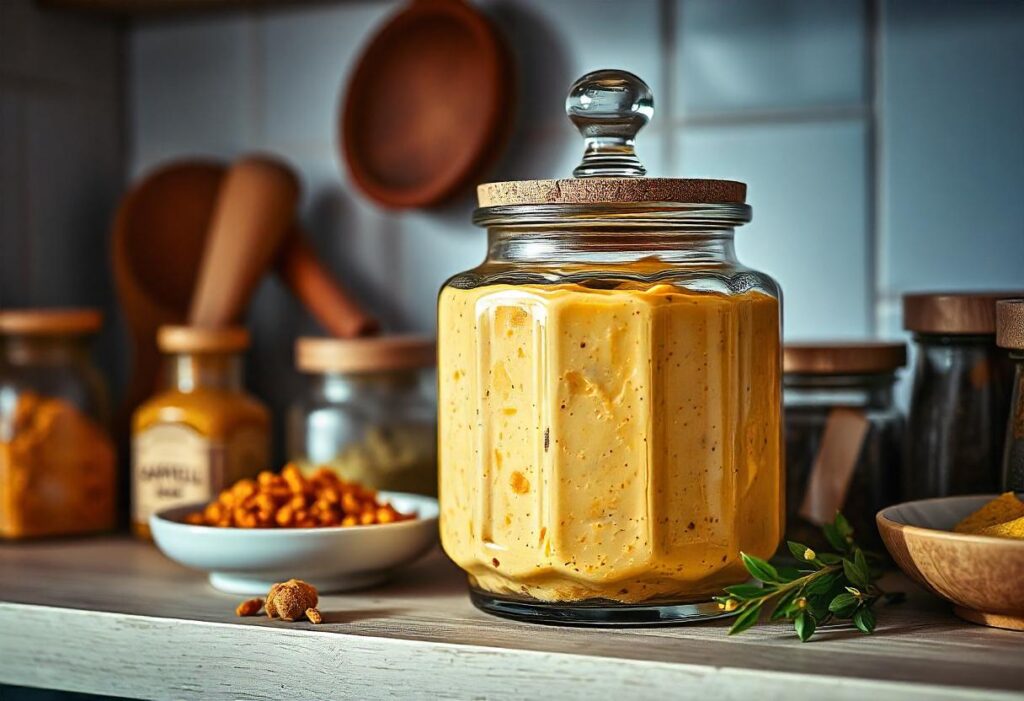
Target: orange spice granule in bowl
{"type": "Point", "coordinates": [292, 500]}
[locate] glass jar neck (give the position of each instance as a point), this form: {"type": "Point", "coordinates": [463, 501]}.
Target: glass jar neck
{"type": "Point", "coordinates": [188, 372]}
{"type": "Point", "coordinates": [541, 245]}
{"type": "Point", "coordinates": [44, 350]}
{"type": "Point", "coordinates": [873, 391]}
{"type": "Point", "coordinates": [338, 387]}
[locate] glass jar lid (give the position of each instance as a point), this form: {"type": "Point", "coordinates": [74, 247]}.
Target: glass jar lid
{"type": "Point", "coordinates": [843, 358]}
{"type": "Point", "coordinates": [1010, 324]}
{"type": "Point", "coordinates": [955, 313]}
{"type": "Point", "coordinates": [364, 355]}
{"type": "Point", "coordinates": [199, 339]}
{"type": "Point", "coordinates": [609, 107]}
{"type": "Point", "coordinates": [50, 322]}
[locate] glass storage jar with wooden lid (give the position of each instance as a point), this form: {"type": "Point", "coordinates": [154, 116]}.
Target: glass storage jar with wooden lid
{"type": "Point", "coordinates": [1010, 335]}
{"type": "Point", "coordinates": [369, 411]}
{"type": "Point", "coordinates": [844, 436]}
{"type": "Point", "coordinates": [960, 397]}
{"type": "Point", "coordinates": [203, 431]}
{"type": "Point", "coordinates": [609, 380]}
{"type": "Point", "coordinates": [58, 467]}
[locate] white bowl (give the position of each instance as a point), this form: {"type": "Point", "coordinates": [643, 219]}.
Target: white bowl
{"type": "Point", "coordinates": [249, 560]}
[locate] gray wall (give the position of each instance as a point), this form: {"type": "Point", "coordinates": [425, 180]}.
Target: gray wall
{"type": "Point", "coordinates": [61, 161]}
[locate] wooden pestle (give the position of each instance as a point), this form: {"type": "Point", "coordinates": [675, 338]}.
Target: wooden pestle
{"type": "Point", "coordinates": [255, 210]}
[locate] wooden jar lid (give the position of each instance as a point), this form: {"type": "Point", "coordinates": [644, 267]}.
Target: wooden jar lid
{"type": "Point", "coordinates": [843, 357]}
{"type": "Point", "coordinates": [609, 190]}
{"type": "Point", "coordinates": [199, 339]}
{"type": "Point", "coordinates": [50, 322]}
{"type": "Point", "coordinates": [1010, 323]}
{"type": "Point", "coordinates": [363, 355]}
{"type": "Point", "coordinates": [953, 312]}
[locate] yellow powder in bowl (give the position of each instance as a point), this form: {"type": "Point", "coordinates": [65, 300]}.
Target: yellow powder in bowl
{"type": "Point", "coordinates": [1002, 517]}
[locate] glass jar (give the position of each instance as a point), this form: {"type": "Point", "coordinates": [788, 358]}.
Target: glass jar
{"type": "Point", "coordinates": [960, 397]}
{"type": "Point", "coordinates": [58, 466]}
{"type": "Point", "coordinates": [844, 437]}
{"type": "Point", "coordinates": [203, 432]}
{"type": "Point", "coordinates": [609, 389]}
{"type": "Point", "coordinates": [1010, 335]}
{"type": "Point", "coordinates": [368, 412]}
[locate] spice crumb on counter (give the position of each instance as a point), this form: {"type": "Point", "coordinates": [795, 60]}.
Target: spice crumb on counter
{"type": "Point", "coordinates": [290, 600]}
{"type": "Point", "coordinates": [249, 607]}
{"type": "Point", "coordinates": [314, 616]}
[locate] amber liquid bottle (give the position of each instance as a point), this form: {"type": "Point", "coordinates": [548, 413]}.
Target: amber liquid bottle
{"type": "Point", "coordinates": [203, 432]}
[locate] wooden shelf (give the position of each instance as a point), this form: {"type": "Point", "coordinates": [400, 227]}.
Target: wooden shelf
{"type": "Point", "coordinates": [113, 616]}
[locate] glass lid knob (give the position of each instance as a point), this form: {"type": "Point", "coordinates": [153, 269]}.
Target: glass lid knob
{"type": "Point", "coordinates": [609, 107]}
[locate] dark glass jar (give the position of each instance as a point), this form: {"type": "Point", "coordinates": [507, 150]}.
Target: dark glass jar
{"type": "Point", "coordinates": [1010, 335]}
{"type": "Point", "coordinates": [960, 398]}
{"type": "Point", "coordinates": [843, 437]}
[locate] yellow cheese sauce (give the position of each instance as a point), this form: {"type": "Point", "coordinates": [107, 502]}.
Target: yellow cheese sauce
{"type": "Point", "coordinates": [619, 444]}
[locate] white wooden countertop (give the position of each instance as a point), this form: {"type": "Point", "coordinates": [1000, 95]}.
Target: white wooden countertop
{"type": "Point", "coordinates": [113, 616]}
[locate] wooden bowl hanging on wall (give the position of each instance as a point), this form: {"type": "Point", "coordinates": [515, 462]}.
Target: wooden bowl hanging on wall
{"type": "Point", "coordinates": [429, 105]}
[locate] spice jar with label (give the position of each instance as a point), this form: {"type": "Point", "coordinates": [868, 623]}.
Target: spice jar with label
{"type": "Point", "coordinates": [609, 379]}
{"type": "Point", "coordinates": [58, 467]}
{"type": "Point", "coordinates": [961, 395]}
{"type": "Point", "coordinates": [844, 436]}
{"type": "Point", "coordinates": [369, 411]}
{"type": "Point", "coordinates": [1010, 335]}
{"type": "Point", "coordinates": [203, 432]}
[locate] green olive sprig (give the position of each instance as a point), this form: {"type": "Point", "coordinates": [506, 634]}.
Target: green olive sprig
{"type": "Point", "coordinates": [824, 587]}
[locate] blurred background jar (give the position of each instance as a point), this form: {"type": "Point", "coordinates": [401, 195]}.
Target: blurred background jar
{"type": "Point", "coordinates": [368, 411]}
{"type": "Point", "coordinates": [843, 436]}
{"type": "Point", "coordinates": [203, 431]}
{"type": "Point", "coordinates": [57, 460]}
{"type": "Point", "coordinates": [1010, 335]}
{"type": "Point", "coordinates": [961, 395]}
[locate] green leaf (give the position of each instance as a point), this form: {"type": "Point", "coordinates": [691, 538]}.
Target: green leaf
{"type": "Point", "coordinates": [864, 619]}
{"type": "Point", "coordinates": [835, 539]}
{"type": "Point", "coordinates": [862, 564]}
{"type": "Point", "coordinates": [843, 605]}
{"type": "Point", "coordinates": [760, 569]}
{"type": "Point", "coordinates": [843, 526]}
{"type": "Point", "coordinates": [804, 624]}
{"type": "Point", "coordinates": [821, 584]}
{"type": "Point", "coordinates": [788, 574]}
{"type": "Point", "coordinates": [746, 618]}
{"type": "Point", "coordinates": [798, 550]}
{"type": "Point", "coordinates": [857, 576]}
{"type": "Point", "coordinates": [748, 591]}
{"type": "Point", "coordinates": [829, 558]}
{"type": "Point", "coordinates": [784, 603]}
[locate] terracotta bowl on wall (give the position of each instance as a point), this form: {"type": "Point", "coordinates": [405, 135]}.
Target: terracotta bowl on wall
{"type": "Point", "coordinates": [982, 576]}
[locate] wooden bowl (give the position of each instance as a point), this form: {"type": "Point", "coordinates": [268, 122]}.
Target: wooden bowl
{"type": "Point", "coordinates": [429, 105]}
{"type": "Point", "coordinates": [982, 576]}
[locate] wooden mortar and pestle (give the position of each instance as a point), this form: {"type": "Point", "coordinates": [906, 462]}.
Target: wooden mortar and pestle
{"type": "Point", "coordinates": [191, 242]}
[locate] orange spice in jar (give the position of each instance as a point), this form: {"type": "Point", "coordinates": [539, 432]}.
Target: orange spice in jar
{"type": "Point", "coordinates": [203, 432]}
{"type": "Point", "coordinates": [57, 461]}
